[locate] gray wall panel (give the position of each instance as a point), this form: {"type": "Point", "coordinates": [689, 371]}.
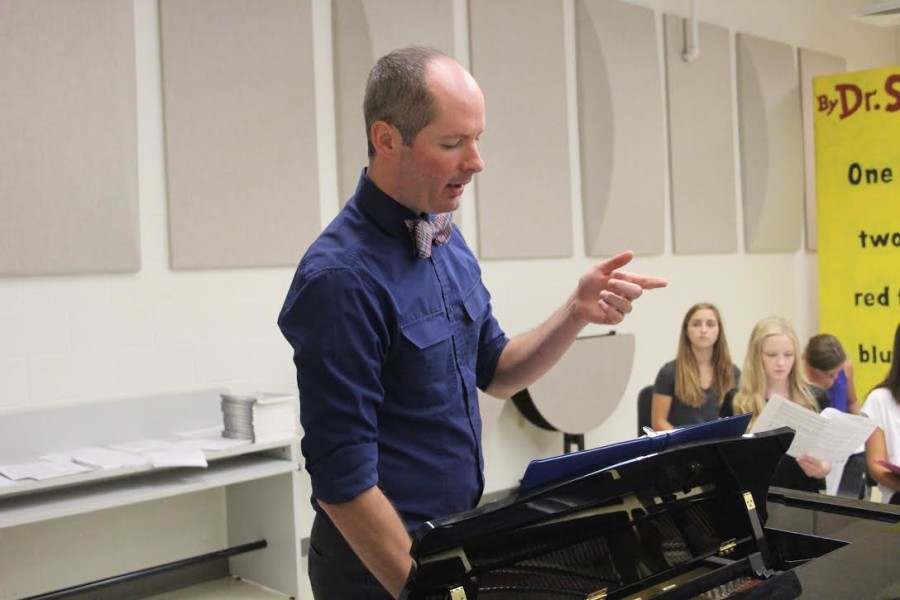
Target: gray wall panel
{"type": "Point", "coordinates": [524, 193]}
{"type": "Point", "coordinates": [621, 130]}
{"type": "Point", "coordinates": [68, 138]}
{"type": "Point", "coordinates": [771, 142]}
{"type": "Point", "coordinates": [240, 126]}
{"type": "Point", "coordinates": [701, 141]}
{"type": "Point", "coordinates": [812, 64]}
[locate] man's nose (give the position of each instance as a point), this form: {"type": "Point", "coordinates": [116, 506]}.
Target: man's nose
{"type": "Point", "coordinates": [474, 163]}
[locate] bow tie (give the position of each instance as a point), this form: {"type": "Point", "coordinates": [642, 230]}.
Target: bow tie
{"type": "Point", "coordinates": [424, 233]}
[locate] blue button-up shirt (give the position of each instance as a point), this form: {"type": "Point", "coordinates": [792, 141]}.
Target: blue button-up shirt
{"type": "Point", "coordinates": [389, 349]}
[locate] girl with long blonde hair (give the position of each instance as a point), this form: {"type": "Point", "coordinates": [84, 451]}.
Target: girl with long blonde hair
{"type": "Point", "coordinates": [771, 368]}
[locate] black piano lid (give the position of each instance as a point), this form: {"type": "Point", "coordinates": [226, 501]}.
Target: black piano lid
{"type": "Point", "coordinates": [736, 465]}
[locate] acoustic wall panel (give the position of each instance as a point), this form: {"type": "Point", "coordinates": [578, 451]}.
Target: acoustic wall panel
{"type": "Point", "coordinates": [524, 193]}
{"type": "Point", "coordinates": [240, 126]}
{"type": "Point", "coordinates": [68, 138]}
{"type": "Point", "coordinates": [365, 30]}
{"type": "Point", "coordinates": [812, 64]}
{"type": "Point", "coordinates": [621, 132]}
{"type": "Point", "coordinates": [701, 140]}
{"type": "Point", "coordinates": [771, 142]}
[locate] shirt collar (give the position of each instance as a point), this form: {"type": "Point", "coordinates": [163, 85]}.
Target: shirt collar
{"type": "Point", "coordinates": [388, 214]}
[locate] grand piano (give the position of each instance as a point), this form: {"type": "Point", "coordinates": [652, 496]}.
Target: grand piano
{"type": "Point", "coordinates": [692, 516]}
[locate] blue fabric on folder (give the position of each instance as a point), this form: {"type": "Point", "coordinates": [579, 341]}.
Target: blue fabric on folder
{"type": "Point", "coordinates": [545, 471]}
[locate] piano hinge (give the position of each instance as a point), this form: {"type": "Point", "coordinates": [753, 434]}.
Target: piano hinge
{"type": "Point", "coordinates": [458, 593]}
{"type": "Point", "coordinates": [598, 595]}
{"type": "Point", "coordinates": [727, 547]}
{"type": "Point", "coordinates": [748, 500]}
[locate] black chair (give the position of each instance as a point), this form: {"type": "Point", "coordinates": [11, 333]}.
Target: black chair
{"type": "Point", "coordinates": [645, 397]}
{"type": "Point", "coordinates": [854, 479]}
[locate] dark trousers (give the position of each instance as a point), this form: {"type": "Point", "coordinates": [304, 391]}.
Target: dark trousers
{"type": "Point", "coordinates": [335, 572]}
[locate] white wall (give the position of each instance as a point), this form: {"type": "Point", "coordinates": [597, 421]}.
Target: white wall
{"type": "Point", "coordinates": [70, 339]}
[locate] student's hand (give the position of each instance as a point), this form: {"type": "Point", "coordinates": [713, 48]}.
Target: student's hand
{"type": "Point", "coordinates": [605, 294]}
{"type": "Point", "coordinates": [813, 467]}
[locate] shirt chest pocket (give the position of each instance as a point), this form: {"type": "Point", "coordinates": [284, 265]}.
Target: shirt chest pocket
{"type": "Point", "coordinates": [427, 352]}
{"type": "Point", "coordinates": [476, 301]}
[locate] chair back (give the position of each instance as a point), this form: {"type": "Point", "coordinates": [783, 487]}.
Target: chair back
{"type": "Point", "coordinates": [645, 398]}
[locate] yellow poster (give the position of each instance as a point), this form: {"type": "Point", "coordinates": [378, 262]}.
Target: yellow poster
{"type": "Point", "coordinates": [857, 135]}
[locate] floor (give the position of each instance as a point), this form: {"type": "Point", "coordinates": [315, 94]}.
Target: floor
{"type": "Point", "coordinates": [229, 588]}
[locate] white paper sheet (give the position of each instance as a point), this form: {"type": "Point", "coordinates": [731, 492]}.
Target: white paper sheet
{"type": "Point", "coordinates": [41, 469]}
{"type": "Point", "coordinates": [106, 458]}
{"type": "Point", "coordinates": [176, 457]}
{"type": "Point", "coordinates": [831, 435]}
{"type": "Point", "coordinates": [209, 439]}
{"type": "Point", "coordinates": [141, 446]}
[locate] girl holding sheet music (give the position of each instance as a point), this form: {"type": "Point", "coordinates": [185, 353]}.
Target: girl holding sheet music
{"type": "Point", "coordinates": [883, 446]}
{"type": "Point", "coordinates": [772, 368]}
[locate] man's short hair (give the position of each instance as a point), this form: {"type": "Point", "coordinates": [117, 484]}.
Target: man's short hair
{"type": "Point", "coordinates": [397, 92]}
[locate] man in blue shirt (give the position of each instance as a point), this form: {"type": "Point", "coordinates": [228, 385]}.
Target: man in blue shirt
{"type": "Point", "coordinates": [392, 331]}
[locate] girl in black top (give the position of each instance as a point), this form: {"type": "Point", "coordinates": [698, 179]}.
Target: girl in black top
{"type": "Point", "coordinates": [690, 389]}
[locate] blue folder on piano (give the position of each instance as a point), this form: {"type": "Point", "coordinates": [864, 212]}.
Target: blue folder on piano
{"type": "Point", "coordinates": [545, 471]}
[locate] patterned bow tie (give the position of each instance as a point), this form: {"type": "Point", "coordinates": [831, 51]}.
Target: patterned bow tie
{"type": "Point", "coordinates": [424, 233]}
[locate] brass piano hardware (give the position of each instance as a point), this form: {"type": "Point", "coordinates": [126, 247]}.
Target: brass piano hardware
{"type": "Point", "coordinates": [727, 547]}
{"type": "Point", "coordinates": [615, 475]}
{"type": "Point", "coordinates": [598, 595]}
{"type": "Point", "coordinates": [458, 593]}
{"type": "Point", "coordinates": [748, 500]}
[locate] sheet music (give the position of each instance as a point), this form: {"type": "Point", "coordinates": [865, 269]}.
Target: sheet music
{"type": "Point", "coordinates": [831, 435]}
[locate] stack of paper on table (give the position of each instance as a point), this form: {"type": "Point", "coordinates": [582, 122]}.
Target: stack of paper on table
{"type": "Point", "coordinates": [260, 417]}
{"type": "Point", "coordinates": [830, 435]}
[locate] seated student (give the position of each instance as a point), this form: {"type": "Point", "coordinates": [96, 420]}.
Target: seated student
{"type": "Point", "coordinates": [826, 365]}
{"type": "Point", "coordinates": [690, 389]}
{"type": "Point", "coordinates": [770, 368]}
{"type": "Point", "coordinates": [883, 405]}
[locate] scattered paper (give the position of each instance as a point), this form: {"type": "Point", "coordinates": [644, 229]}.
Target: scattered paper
{"type": "Point", "coordinates": [106, 458]}
{"type": "Point", "coordinates": [141, 446]}
{"type": "Point", "coordinates": [176, 457]}
{"type": "Point", "coordinates": [41, 469]}
{"type": "Point", "coordinates": [831, 435]}
{"type": "Point", "coordinates": [209, 439]}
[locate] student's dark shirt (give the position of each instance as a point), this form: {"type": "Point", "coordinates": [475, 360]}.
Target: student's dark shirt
{"type": "Point", "coordinates": [681, 414]}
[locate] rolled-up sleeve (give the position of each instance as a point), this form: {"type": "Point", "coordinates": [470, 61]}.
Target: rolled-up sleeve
{"type": "Point", "coordinates": [333, 321]}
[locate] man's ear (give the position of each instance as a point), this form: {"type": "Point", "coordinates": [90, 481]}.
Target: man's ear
{"type": "Point", "coordinates": [385, 138]}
